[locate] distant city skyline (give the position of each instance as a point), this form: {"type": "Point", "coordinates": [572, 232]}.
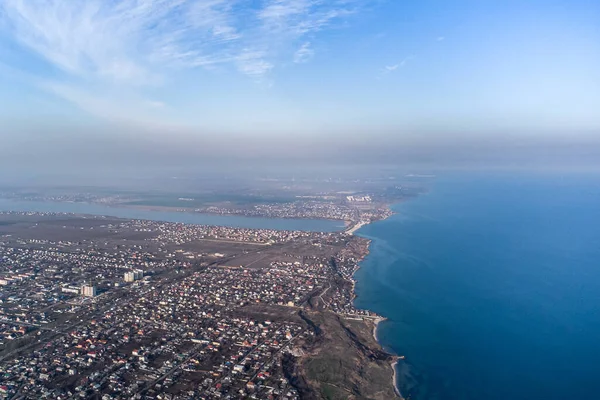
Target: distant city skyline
{"type": "Point", "coordinates": [282, 71]}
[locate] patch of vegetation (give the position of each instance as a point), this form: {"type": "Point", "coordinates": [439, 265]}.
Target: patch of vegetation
{"type": "Point", "coordinates": [346, 362]}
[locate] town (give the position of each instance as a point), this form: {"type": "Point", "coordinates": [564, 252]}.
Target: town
{"type": "Point", "coordinates": [366, 200]}
{"type": "Point", "coordinates": [107, 308]}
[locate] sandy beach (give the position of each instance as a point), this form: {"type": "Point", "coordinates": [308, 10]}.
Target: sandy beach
{"type": "Point", "coordinates": [395, 378]}
{"type": "Point", "coordinates": [357, 226]}
{"type": "Point", "coordinates": [376, 322]}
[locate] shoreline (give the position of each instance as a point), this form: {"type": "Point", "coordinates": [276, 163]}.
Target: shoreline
{"type": "Point", "coordinates": [353, 228]}
{"type": "Point", "coordinates": [187, 210]}
{"type": "Point", "coordinates": [317, 225]}
{"type": "Point", "coordinates": [395, 378]}
{"type": "Point", "coordinates": [377, 318]}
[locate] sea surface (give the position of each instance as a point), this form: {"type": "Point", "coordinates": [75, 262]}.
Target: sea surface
{"type": "Point", "coordinates": [492, 287]}
{"type": "Point", "coordinates": [312, 225]}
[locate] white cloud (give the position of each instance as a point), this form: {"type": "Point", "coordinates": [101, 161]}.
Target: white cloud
{"type": "Point", "coordinates": [388, 69]}
{"type": "Point", "coordinates": [133, 40]}
{"type": "Point", "coordinates": [253, 63]}
{"type": "Point", "coordinates": [125, 41]}
{"type": "Point", "coordinates": [135, 43]}
{"type": "Point", "coordinates": [304, 53]}
{"type": "Point", "coordinates": [283, 11]}
{"type": "Point", "coordinates": [298, 17]}
{"type": "Point", "coordinates": [440, 38]}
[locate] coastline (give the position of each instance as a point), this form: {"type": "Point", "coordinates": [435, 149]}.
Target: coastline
{"type": "Point", "coordinates": [362, 250]}
{"type": "Point", "coordinates": [377, 318]}
{"type": "Point", "coordinates": [395, 378]}
{"type": "Point", "coordinates": [353, 228]}
{"type": "Point", "coordinates": [234, 221]}
{"type": "Point", "coordinates": [188, 210]}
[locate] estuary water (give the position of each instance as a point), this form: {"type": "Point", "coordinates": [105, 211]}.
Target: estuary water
{"type": "Point", "coordinates": [312, 225]}
{"type": "Point", "coordinates": [492, 287]}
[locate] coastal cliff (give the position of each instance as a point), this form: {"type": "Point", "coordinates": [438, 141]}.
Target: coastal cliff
{"type": "Point", "coordinates": [344, 361]}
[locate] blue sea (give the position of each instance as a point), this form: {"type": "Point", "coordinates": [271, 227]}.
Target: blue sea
{"type": "Point", "coordinates": [492, 287]}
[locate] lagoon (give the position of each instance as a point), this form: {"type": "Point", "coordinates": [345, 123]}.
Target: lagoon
{"type": "Point", "coordinates": [312, 225]}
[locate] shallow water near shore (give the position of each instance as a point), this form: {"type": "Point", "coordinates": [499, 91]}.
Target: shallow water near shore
{"type": "Point", "coordinates": [491, 286]}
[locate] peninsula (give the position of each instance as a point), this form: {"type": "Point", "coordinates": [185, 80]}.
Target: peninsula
{"type": "Point", "coordinates": [105, 308]}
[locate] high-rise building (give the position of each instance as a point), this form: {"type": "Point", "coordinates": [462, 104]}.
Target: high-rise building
{"type": "Point", "coordinates": [132, 276]}
{"type": "Point", "coordinates": [88, 291]}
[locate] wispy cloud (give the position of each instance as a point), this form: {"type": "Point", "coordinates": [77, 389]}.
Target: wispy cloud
{"type": "Point", "coordinates": [388, 69]}
{"type": "Point", "coordinates": [137, 43]}
{"type": "Point", "coordinates": [298, 17]}
{"type": "Point", "coordinates": [304, 53]}
{"type": "Point", "coordinates": [129, 40]}
{"type": "Point", "coordinates": [253, 63]}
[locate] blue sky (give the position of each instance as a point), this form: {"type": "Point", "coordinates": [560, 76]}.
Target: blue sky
{"type": "Point", "coordinates": [302, 67]}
